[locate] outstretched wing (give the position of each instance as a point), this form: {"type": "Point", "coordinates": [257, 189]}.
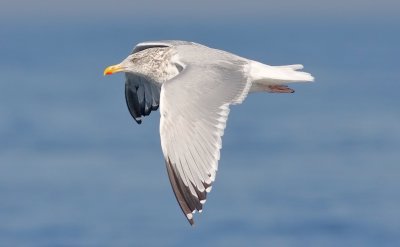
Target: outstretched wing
{"type": "Point", "coordinates": [194, 109]}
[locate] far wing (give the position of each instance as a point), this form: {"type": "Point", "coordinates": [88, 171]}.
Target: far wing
{"type": "Point", "coordinates": [194, 109]}
{"type": "Point", "coordinates": [142, 96]}
{"type": "Point", "coordinates": [162, 43]}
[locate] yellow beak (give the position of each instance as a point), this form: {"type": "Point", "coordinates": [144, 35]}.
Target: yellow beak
{"type": "Point", "coordinates": [113, 69]}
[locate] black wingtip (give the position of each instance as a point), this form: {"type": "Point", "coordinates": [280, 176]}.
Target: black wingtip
{"type": "Point", "coordinates": [138, 121]}
{"type": "Point", "coordinates": [190, 219]}
{"type": "Point", "coordinates": [177, 186]}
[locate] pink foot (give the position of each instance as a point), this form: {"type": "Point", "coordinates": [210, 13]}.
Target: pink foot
{"type": "Point", "coordinates": [279, 89]}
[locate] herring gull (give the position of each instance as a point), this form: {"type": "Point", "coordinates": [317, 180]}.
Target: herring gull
{"type": "Point", "coordinates": [194, 86]}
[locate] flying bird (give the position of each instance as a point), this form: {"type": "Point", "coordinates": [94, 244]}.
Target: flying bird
{"type": "Point", "coordinates": [194, 86]}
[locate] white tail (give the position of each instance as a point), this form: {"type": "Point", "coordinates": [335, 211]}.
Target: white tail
{"type": "Point", "coordinates": [286, 73]}
{"type": "Point", "coordinates": [292, 66]}
{"type": "Point", "coordinates": [265, 76]}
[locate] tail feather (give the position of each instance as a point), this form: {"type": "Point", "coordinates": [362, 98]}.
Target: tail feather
{"type": "Point", "coordinates": [293, 75]}
{"type": "Point", "coordinates": [279, 74]}
{"type": "Point", "coordinates": [273, 78]}
{"type": "Point", "coordinates": [291, 66]}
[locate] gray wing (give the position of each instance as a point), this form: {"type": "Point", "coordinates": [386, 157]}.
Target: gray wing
{"type": "Point", "coordinates": [143, 96]}
{"type": "Point", "coordinates": [161, 43]}
{"type": "Point", "coordinates": [194, 108]}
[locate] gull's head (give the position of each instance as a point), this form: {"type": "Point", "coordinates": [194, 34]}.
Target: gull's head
{"type": "Point", "coordinates": [129, 64]}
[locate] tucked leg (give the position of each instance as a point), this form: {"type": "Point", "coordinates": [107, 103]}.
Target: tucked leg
{"type": "Point", "coordinates": [279, 89]}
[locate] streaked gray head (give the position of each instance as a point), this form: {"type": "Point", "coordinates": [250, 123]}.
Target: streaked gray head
{"type": "Point", "coordinates": [146, 62]}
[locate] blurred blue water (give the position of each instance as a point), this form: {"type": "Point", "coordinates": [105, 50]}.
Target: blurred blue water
{"type": "Point", "coordinates": [316, 168]}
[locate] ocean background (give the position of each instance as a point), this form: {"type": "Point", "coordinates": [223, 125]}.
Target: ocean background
{"type": "Point", "coordinates": [320, 167]}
